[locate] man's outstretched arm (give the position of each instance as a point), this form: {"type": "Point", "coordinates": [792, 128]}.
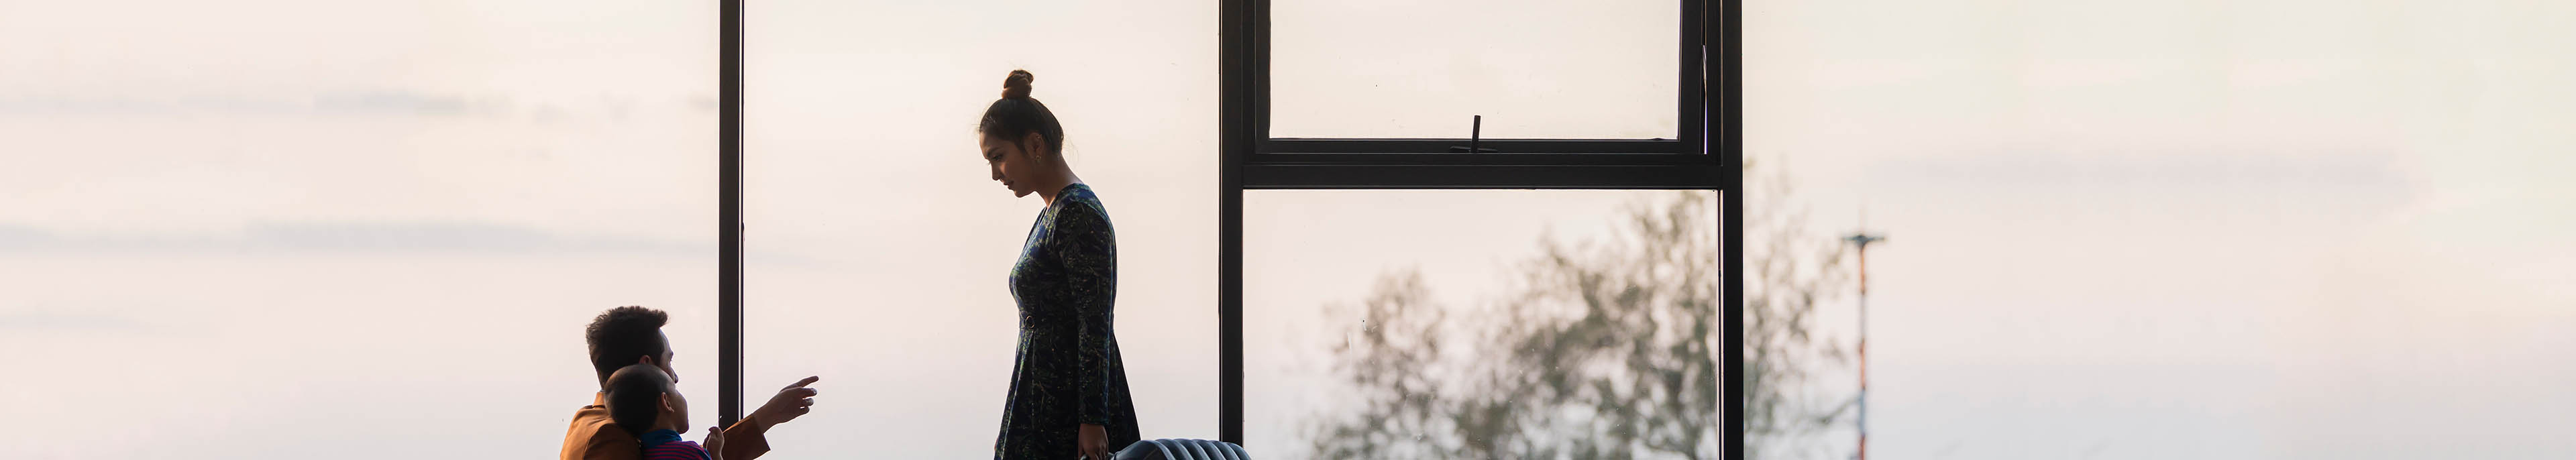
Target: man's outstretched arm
{"type": "Point", "coordinates": [747, 439]}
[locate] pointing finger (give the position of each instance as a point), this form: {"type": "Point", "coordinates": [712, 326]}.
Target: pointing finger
{"type": "Point", "coordinates": [806, 381]}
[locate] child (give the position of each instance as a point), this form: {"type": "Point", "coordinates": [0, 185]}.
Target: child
{"type": "Point", "coordinates": [642, 400]}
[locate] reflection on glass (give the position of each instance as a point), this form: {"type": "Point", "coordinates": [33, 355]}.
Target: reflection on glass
{"type": "Point", "coordinates": [303, 229]}
{"type": "Point", "coordinates": [1533, 69]}
{"type": "Point", "coordinates": [1482, 324]}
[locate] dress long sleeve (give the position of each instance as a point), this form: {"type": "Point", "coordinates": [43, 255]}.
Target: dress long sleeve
{"type": "Point", "coordinates": [1089, 251]}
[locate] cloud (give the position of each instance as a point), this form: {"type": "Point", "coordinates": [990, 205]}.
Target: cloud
{"type": "Point", "coordinates": [53, 321]}
{"type": "Point", "coordinates": [398, 103]}
{"type": "Point", "coordinates": [2174, 170]}
{"type": "Point", "coordinates": [23, 237]}
{"type": "Point", "coordinates": [374, 238]}
{"type": "Point", "coordinates": [385, 237]}
{"type": "Point", "coordinates": [341, 103]}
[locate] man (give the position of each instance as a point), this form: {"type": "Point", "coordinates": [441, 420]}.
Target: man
{"type": "Point", "coordinates": [626, 336]}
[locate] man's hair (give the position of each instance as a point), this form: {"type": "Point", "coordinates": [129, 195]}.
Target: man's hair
{"type": "Point", "coordinates": [621, 335]}
{"type": "Point", "coordinates": [635, 397]}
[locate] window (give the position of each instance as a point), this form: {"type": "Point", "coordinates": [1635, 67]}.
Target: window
{"type": "Point", "coordinates": [283, 229]}
{"type": "Point", "coordinates": [277, 216]}
{"type": "Point", "coordinates": [1421, 323]}
{"type": "Point", "coordinates": [1699, 156]}
{"type": "Point", "coordinates": [1420, 69]}
{"type": "Point", "coordinates": [1677, 160]}
{"type": "Point", "coordinates": [878, 249]}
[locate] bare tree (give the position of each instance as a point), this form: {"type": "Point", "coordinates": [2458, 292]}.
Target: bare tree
{"type": "Point", "coordinates": [1602, 350]}
{"type": "Point", "coordinates": [1789, 271]}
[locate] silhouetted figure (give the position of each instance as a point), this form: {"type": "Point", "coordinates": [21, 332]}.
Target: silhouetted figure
{"type": "Point", "coordinates": [626, 336]}
{"type": "Point", "coordinates": [1068, 387]}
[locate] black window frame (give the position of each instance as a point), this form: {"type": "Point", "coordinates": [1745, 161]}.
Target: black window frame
{"type": "Point", "coordinates": [1683, 161]}
{"type": "Point", "coordinates": [1704, 155]}
{"type": "Point", "coordinates": [729, 252]}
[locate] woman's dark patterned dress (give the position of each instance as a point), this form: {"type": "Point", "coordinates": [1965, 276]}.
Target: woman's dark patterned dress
{"type": "Point", "coordinates": [1068, 371]}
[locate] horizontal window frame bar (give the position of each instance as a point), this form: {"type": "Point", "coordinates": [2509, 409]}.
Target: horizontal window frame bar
{"type": "Point", "coordinates": [1481, 159]}
{"type": "Point", "coordinates": [1417, 176]}
{"type": "Point", "coordinates": [1501, 146]}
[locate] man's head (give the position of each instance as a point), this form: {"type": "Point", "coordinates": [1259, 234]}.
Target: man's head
{"type": "Point", "coordinates": [625, 336]}
{"type": "Point", "coordinates": [641, 398]}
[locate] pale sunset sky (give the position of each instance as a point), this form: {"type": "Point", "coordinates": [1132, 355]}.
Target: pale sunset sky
{"type": "Point", "coordinates": [302, 229]}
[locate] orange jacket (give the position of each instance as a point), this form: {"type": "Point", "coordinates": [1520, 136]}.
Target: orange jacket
{"type": "Point", "coordinates": [594, 437]}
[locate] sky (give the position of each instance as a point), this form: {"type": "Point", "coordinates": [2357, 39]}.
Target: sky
{"type": "Point", "coordinates": [2270, 229]}
{"type": "Point", "coordinates": [294, 229]}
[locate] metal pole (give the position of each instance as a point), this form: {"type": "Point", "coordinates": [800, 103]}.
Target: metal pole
{"type": "Point", "coordinates": [1722, 40]}
{"type": "Point", "coordinates": [729, 216]}
{"type": "Point", "coordinates": [1242, 42]}
{"type": "Point", "coordinates": [1862, 240]}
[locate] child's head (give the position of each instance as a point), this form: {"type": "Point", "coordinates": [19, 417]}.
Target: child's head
{"type": "Point", "coordinates": [641, 399]}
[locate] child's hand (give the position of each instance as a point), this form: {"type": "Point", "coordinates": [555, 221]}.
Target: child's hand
{"type": "Point", "coordinates": [714, 443]}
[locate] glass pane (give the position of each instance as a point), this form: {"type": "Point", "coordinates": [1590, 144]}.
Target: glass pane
{"type": "Point", "coordinates": [2109, 241]}
{"type": "Point", "coordinates": [1481, 324]}
{"type": "Point", "coordinates": [880, 250]}
{"type": "Point", "coordinates": [313, 229]}
{"type": "Point", "coordinates": [1422, 68]}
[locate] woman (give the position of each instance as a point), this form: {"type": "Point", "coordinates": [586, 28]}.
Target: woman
{"type": "Point", "coordinates": [1068, 388]}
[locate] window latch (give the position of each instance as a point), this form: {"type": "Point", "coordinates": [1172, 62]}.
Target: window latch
{"type": "Point", "coordinates": [1475, 135]}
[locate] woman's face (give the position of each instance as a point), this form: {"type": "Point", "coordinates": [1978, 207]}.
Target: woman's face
{"type": "Point", "coordinates": [1010, 163]}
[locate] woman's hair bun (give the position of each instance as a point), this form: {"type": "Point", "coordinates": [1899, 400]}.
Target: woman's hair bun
{"type": "Point", "coordinates": [1016, 86]}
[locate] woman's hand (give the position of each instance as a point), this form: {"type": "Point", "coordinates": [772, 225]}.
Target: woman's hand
{"type": "Point", "coordinates": [1095, 442]}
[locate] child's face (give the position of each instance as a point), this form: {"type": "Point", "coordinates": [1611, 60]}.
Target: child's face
{"type": "Point", "coordinates": [675, 411]}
